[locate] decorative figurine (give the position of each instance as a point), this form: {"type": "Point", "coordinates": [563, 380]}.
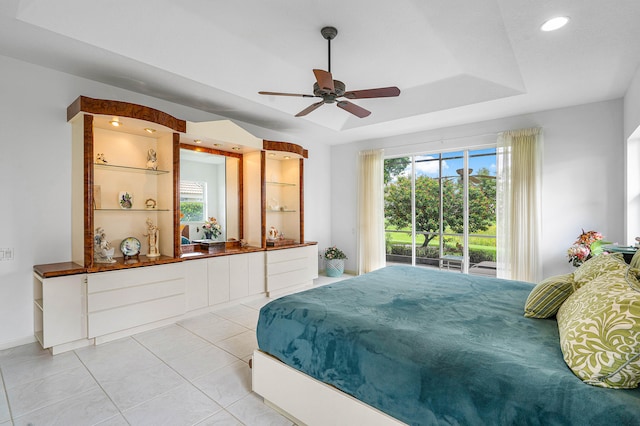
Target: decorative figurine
{"type": "Point", "coordinates": [150, 203]}
{"type": "Point", "coordinates": [153, 238]}
{"type": "Point", "coordinates": [152, 160]}
{"type": "Point", "coordinates": [102, 250]}
{"type": "Point", "coordinates": [100, 159]}
{"type": "Point", "coordinates": [273, 233]}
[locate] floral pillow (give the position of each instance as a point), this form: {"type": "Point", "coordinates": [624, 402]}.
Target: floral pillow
{"type": "Point", "coordinates": [546, 298]}
{"type": "Point", "coordinates": [599, 329]}
{"type": "Point", "coordinates": [597, 266]}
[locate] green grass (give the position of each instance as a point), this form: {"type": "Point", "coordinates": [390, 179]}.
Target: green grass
{"type": "Point", "coordinates": [477, 243]}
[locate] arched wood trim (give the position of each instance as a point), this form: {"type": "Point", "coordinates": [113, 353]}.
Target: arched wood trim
{"type": "Point", "coordinates": [125, 109]}
{"type": "Point", "coordinates": [285, 147]}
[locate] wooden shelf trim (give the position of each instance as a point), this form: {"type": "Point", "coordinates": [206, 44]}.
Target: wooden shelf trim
{"type": "Point", "coordinates": [125, 109]}
{"type": "Point", "coordinates": [285, 147]}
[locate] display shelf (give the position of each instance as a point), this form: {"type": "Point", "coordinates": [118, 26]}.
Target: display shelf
{"type": "Point", "coordinates": [281, 211]}
{"type": "Point", "coordinates": [129, 169]}
{"type": "Point", "coordinates": [40, 337]}
{"type": "Point", "coordinates": [280, 183]}
{"type": "Point", "coordinates": [132, 210]}
{"type": "Point", "coordinates": [38, 303]}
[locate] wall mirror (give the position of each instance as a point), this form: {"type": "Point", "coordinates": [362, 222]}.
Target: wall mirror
{"type": "Point", "coordinates": [208, 189]}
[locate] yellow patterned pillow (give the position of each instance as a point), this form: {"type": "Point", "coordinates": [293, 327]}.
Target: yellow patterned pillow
{"type": "Point", "coordinates": [546, 298]}
{"type": "Point", "coordinates": [599, 329]}
{"type": "Point", "coordinates": [597, 266]}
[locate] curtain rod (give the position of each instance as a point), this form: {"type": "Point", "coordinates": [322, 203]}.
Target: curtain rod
{"type": "Point", "coordinates": [441, 140]}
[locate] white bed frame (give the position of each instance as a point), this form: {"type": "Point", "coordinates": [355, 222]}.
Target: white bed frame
{"type": "Point", "coordinates": [307, 401]}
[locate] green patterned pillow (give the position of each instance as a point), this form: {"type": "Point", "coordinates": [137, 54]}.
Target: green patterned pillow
{"type": "Point", "coordinates": [635, 260]}
{"type": "Point", "coordinates": [597, 266]}
{"type": "Point", "coordinates": [546, 298]}
{"type": "Point", "coordinates": [599, 329]}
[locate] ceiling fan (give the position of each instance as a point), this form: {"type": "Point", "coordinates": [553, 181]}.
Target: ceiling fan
{"type": "Point", "coordinates": [330, 90]}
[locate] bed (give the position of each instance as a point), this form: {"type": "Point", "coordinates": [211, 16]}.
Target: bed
{"type": "Point", "coordinates": [417, 346]}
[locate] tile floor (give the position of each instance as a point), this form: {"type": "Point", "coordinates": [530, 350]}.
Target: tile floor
{"type": "Point", "coordinates": [194, 372]}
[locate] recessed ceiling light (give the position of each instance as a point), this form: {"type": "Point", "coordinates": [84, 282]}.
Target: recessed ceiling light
{"type": "Point", "coordinates": [197, 141]}
{"type": "Point", "coordinates": [149, 130]}
{"type": "Point", "coordinates": [236, 148]}
{"type": "Point", "coordinates": [115, 123]}
{"type": "Point", "coordinates": [272, 154]}
{"type": "Point", "coordinates": [217, 145]}
{"type": "Point", "coordinates": [286, 157]}
{"type": "Point", "coordinates": [555, 23]}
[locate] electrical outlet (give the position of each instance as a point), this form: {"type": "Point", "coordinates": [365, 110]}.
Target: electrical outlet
{"type": "Point", "coordinates": [6, 254]}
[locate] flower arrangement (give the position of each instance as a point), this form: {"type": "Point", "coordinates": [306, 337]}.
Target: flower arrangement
{"type": "Point", "coordinates": [588, 245]}
{"type": "Point", "coordinates": [211, 228]}
{"type": "Point", "coordinates": [334, 253]}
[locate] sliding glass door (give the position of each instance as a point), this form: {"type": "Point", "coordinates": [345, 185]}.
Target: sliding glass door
{"type": "Point", "coordinates": [440, 210]}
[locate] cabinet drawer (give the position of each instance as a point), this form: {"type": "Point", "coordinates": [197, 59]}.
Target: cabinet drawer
{"type": "Point", "coordinates": [119, 300]}
{"type": "Point", "coordinates": [129, 316]}
{"type": "Point", "coordinates": [105, 281]}
{"type": "Point", "coordinates": [136, 294]}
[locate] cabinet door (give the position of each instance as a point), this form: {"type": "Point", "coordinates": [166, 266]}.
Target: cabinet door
{"type": "Point", "coordinates": [238, 276]}
{"type": "Point", "coordinates": [63, 310]}
{"type": "Point", "coordinates": [256, 273]}
{"type": "Point", "coordinates": [197, 284]}
{"type": "Point", "coordinates": [218, 271]}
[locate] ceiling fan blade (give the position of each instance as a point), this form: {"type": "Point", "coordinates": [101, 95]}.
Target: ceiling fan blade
{"type": "Point", "coordinates": [382, 92]}
{"type": "Point", "coordinates": [299, 95]}
{"type": "Point", "coordinates": [353, 109]}
{"type": "Point", "coordinates": [310, 108]}
{"type": "Point", "coordinates": [325, 80]}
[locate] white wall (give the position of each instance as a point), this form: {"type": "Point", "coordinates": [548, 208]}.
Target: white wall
{"type": "Point", "coordinates": [35, 178]}
{"type": "Point", "coordinates": [582, 174]}
{"type": "Point", "coordinates": [632, 155]}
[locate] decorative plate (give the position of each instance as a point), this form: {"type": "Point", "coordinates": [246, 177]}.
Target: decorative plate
{"type": "Point", "coordinates": [130, 246]}
{"type": "Point", "coordinates": [125, 200]}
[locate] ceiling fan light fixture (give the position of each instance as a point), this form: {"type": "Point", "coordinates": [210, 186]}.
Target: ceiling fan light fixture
{"type": "Point", "coordinates": [330, 90]}
{"type": "Point", "coordinates": [554, 23]}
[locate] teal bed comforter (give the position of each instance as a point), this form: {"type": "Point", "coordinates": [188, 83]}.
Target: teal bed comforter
{"type": "Point", "coordinates": [430, 347]}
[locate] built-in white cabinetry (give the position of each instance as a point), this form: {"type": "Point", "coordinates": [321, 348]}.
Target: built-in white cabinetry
{"type": "Point", "coordinates": [125, 299]}
{"type": "Point", "coordinates": [196, 275]}
{"type": "Point", "coordinates": [218, 279]}
{"type": "Point", "coordinates": [291, 269]}
{"type": "Point", "coordinates": [59, 310]}
{"type": "Point", "coordinates": [235, 277]}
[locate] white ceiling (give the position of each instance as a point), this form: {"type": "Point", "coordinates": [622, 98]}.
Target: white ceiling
{"type": "Point", "coordinates": [455, 61]}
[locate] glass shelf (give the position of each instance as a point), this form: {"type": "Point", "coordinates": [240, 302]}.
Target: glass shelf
{"type": "Point", "coordinates": [281, 211]}
{"type": "Point", "coordinates": [131, 210]}
{"type": "Point", "coordinates": [129, 169]}
{"type": "Point", "coordinates": [280, 183]}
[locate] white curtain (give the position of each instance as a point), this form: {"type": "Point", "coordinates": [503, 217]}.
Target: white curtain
{"type": "Point", "coordinates": [371, 248]}
{"type": "Point", "coordinates": [519, 185]}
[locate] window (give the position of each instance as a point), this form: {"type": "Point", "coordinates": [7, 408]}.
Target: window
{"type": "Point", "coordinates": [440, 210]}
{"type": "Point", "coordinates": [193, 201]}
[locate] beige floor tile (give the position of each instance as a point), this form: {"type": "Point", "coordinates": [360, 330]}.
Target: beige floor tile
{"type": "Point", "coordinates": [88, 408]}
{"type": "Point", "coordinates": [241, 345]}
{"type": "Point", "coordinates": [252, 411]}
{"type": "Point", "coordinates": [31, 396]}
{"type": "Point", "coordinates": [201, 362]}
{"type": "Point", "coordinates": [226, 385]}
{"type": "Point", "coordinates": [184, 405]}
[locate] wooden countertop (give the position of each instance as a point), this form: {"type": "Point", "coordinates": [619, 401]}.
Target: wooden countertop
{"type": "Point", "coordinates": [51, 270]}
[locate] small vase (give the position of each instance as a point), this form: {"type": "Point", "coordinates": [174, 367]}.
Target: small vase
{"type": "Point", "coordinates": [208, 235]}
{"type": "Point", "coordinates": [335, 267]}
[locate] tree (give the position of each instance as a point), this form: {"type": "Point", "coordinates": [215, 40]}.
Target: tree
{"type": "Point", "coordinates": [393, 167]}
{"type": "Point", "coordinates": [481, 204]}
